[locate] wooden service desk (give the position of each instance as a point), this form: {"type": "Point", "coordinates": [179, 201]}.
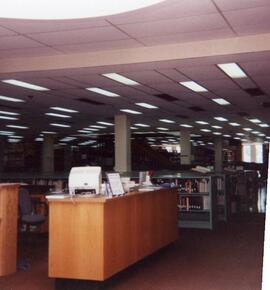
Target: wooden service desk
{"type": "Point", "coordinates": [8, 227]}
{"type": "Point", "coordinates": [94, 238]}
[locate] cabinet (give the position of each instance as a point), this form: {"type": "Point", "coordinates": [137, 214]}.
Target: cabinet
{"type": "Point", "coordinates": [201, 198]}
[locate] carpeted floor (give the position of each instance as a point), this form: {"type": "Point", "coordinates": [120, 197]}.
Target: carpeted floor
{"type": "Point", "coordinates": [228, 258]}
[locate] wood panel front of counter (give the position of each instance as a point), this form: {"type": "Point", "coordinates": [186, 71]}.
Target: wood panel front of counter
{"type": "Point", "coordinates": [95, 238]}
{"type": "Point", "coordinates": [8, 227]}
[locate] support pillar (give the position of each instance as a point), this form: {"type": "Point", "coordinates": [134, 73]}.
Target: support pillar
{"type": "Point", "coordinates": [122, 143]}
{"type": "Point", "coordinates": [185, 146]}
{"type": "Point", "coordinates": [68, 154]}
{"type": "Point", "coordinates": [218, 155]}
{"type": "Point", "coordinates": [2, 153]}
{"type": "Point", "coordinates": [47, 155]}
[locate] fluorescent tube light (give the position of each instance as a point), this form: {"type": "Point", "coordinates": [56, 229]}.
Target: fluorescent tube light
{"type": "Point", "coordinates": [240, 134]}
{"type": "Point", "coordinates": [221, 101]}
{"type": "Point", "coordinates": [202, 122]}
{"type": "Point", "coordinates": [233, 70]}
{"type": "Point", "coordinates": [6, 133]}
{"type": "Point", "coordinates": [205, 130]}
{"type": "Point", "coordinates": [25, 85]}
{"type": "Point", "coordinates": [121, 79]}
{"type": "Point", "coordinates": [9, 99]}
{"type": "Point", "coordinates": [8, 118]}
{"type": "Point", "coordinates": [60, 125]}
{"type": "Point", "coordinates": [9, 113]}
{"type": "Point", "coordinates": [216, 127]}
{"type": "Point", "coordinates": [17, 127]}
{"type": "Point", "coordinates": [193, 86]}
{"type": "Point", "coordinates": [64, 109]}
{"type": "Point", "coordinates": [227, 136]}
{"type": "Point", "coordinates": [217, 133]}
{"type": "Point", "coordinates": [166, 121]}
{"type": "Point", "coordinates": [97, 126]}
{"type": "Point", "coordinates": [130, 111]}
{"type": "Point", "coordinates": [133, 128]}
{"type": "Point", "coordinates": [162, 129]}
{"type": "Point", "coordinates": [234, 124]}
{"type": "Point", "coordinates": [106, 123]}
{"type": "Point", "coordinates": [57, 115]}
{"type": "Point", "coordinates": [84, 131]}
{"type": "Point", "coordinates": [103, 92]}
{"type": "Point", "coordinates": [255, 121]}
{"type": "Point", "coordinates": [221, 119]}
{"type": "Point", "coordinates": [48, 132]}
{"type": "Point", "coordinates": [186, 126]}
{"type": "Point", "coordinates": [263, 125]}
{"type": "Point", "coordinates": [141, 125]}
{"type": "Point", "coordinates": [247, 129]}
{"type": "Point", "coordinates": [146, 105]}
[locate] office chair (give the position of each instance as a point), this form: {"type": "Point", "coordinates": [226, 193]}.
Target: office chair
{"type": "Point", "coordinates": [27, 213]}
{"type": "Point", "coordinates": [29, 218]}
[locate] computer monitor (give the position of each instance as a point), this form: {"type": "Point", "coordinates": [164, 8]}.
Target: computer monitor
{"type": "Point", "coordinates": [84, 179]}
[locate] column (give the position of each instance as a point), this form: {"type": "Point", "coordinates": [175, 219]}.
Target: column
{"type": "Point", "coordinates": [68, 154]}
{"type": "Point", "coordinates": [218, 154]}
{"type": "Point", "coordinates": [2, 151]}
{"type": "Point", "coordinates": [122, 143]}
{"type": "Point", "coordinates": [185, 146]}
{"type": "Point", "coordinates": [47, 155]}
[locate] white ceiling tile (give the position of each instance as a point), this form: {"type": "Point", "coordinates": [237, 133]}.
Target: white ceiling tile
{"type": "Point", "coordinates": [187, 37]}
{"type": "Point", "coordinates": [38, 26]}
{"type": "Point", "coordinates": [94, 46]}
{"type": "Point", "coordinates": [80, 36]}
{"type": "Point", "coordinates": [225, 5]}
{"type": "Point", "coordinates": [13, 42]}
{"type": "Point", "coordinates": [174, 26]}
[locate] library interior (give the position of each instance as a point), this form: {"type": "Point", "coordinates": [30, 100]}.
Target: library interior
{"type": "Point", "coordinates": [134, 145]}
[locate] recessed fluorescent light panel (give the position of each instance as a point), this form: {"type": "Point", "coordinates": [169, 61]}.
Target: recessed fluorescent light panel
{"type": "Point", "coordinates": [186, 126]}
{"type": "Point", "coordinates": [147, 106]}
{"type": "Point", "coordinates": [103, 92]}
{"type": "Point", "coordinates": [106, 123]}
{"type": "Point", "coordinates": [9, 99]}
{"type": "Point", "coordinates": [202, 122]}
{"type": "Point", "coordinates": [255, 121]}
{"type": "Point", "coordinates": [193, 86]}
{"type": "Point", "coordinates": [216, 133]}
{"type": "Point", "coordinates": [216, 127]}
{"type": "Point", "coordinates": [162, 129]}
{"type": "Point", "coordinates": [166, 121]}
{"type": "Point", "coordinates": [9, 113]}
{"type": "Point", "coordinates": [247, 129]}
{"type": "Point", "coordinates": [63, 109]}
{"type": "Point", "coordinates": [48, 132]}
{"type": "Point", "coordinates": [58, 115]}
{"type": "Point", "coordinates": [233, 70]}
{"type": "Point", "coordinates": [60, 125]}
{"type": "Point", "coordinates": [17, 127]}
{"type": "Point", "coordinates": [141, 125]}
{"type": "Point", "coordinates": [121, 79]}
{"type": "Point", "coordinates": [8, 118]}
{"type": "Point", "coordinates": [221, 101]}
{"type": "Point", "coordinates": [205, 130]}
{"type": "Point", "coordinates": [6, 133]}
{"type": "Point", "coordinates": [234, 124]}
{"type": "Point", "coordinates": [221, 119]}
{"type": "Point", "coordinates": [25, 85]}
{"type": "Point", "coordinates": [263, 125]}
{"type": "Point", "coordinates": [130, 111]}
{"type": "Point", "coordinates": [97, 126]}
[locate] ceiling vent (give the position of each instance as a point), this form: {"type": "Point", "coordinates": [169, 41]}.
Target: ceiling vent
{"type": "Point", "coordinates": [266, 104]}
{"type": "Point", "coordinates": [196, 109]}
{"type": "Point", "coordinates": [167, 97]}
{"type": "Point", "coordinates": [255, 92]}
{"type": "Point", "coordinates": [90, 102]}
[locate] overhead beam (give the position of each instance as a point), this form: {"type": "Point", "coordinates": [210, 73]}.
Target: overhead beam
{"type": "Point", "coordinates": [217, 47]}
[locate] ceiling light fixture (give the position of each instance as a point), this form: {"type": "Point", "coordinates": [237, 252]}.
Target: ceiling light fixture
{"type": "Point", "coordinates": [221, 101]}
{"type": "Point", "coordinates": [102, 92]}
{"type": "Point", "coordinates": [234, 124]}
{"type": "Point", "coordinates": [147, 106]}
{"type": "Point", "coordinates": [193, 86]}
{"type": "Point", "coordinates": [233, 70]}
{"type": "Point", "coordinates": [60, 125]}
{"type": "Point", "coordinates": [64, 109]}
{"type": "Point", "coordinates": [255, 121]}
{"type": "Point", "coordinates": [9, 99]}
{"type": "Point", "coordinates": [130, 111]}
{"type": "Point", "coordinates": [8, 118]}
{"type": "Point", "coordinates": [9, 113]}
{"type": "Point", "coordinates": [201, 122]}
{"type": "Point", "coordinates": [141, 125]}
{"type": "Point", "coordinates": [166, 121]}
{"type": "Point", "coordinates": [57, 115]}
{"type": "Point", "coordinates": [25, 85]}
{"type": "Point", "coordinates": [221, 119]}
{"type": "Point", "coordinates": [106, 123]}
{"type": "Point", "coordinates": [186, 126]}
{"type": "Point", "coordinates": [62, 9]}
{"type": "Point", "coordinates": [17, 127]}
{"type": "Point", "coordinates": [121, 79]}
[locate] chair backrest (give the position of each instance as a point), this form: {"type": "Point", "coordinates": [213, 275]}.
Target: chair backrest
{"type": "Point", "coordinates": [25, 201]}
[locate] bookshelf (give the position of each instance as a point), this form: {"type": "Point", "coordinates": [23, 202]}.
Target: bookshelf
{"type": "Point", "coordinates": [201, 198]}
